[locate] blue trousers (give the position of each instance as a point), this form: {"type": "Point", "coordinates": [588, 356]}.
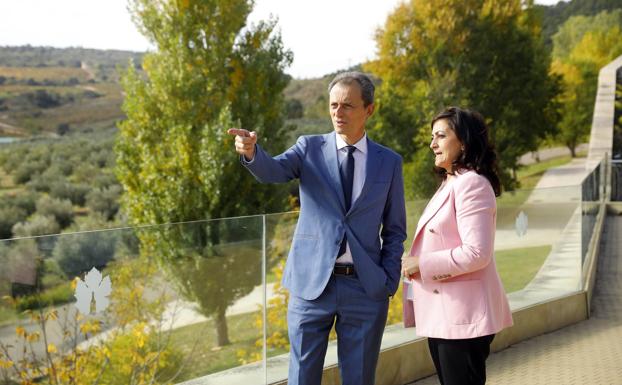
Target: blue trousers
{"type": "Point", "coordinates": [359, 322]}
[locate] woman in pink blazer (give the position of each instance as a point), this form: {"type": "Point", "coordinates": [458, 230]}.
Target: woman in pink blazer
{"type": "Point", "coordinates": [453, 294]}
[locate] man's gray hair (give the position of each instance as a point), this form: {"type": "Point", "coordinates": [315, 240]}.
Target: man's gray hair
{"type": "Point", "coordinates": [367, 87]}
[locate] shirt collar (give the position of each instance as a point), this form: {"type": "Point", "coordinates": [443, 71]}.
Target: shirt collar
{"type": "Point", "coordinates": [361, 145]}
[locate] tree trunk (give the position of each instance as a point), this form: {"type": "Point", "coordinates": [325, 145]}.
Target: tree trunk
{"type": "Point", "coordinates": [221, 328]}
{"type": "Point", "coordinates": [573, 151]}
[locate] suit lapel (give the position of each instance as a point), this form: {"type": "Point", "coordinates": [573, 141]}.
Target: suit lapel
{"type": "Point", "coordinates": [373, 167]}
{"type": "Point", "coordinates": [432, 208]}
{"type": "Point", "coordinates": [329, 150]}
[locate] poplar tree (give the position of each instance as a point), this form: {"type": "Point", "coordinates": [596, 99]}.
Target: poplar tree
{"type": "Point", "coordinates": [209, 71]}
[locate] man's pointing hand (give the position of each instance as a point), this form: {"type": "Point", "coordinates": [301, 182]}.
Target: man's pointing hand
{"type": "Point", "coordinates": [244, 142]}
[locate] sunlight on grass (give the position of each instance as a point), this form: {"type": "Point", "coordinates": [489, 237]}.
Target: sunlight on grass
{"type": "Point", "coordinates": [197, 343]}
{"type": "Point", "coordinates": [517, 267]}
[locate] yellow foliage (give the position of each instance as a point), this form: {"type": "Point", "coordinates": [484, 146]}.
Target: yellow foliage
{"type": "Point", "coordinates": [33, 337]}
{"type": "Point", "coordinates": [132, 355]}
{"type": "Point", "coordinates": [5, 364]}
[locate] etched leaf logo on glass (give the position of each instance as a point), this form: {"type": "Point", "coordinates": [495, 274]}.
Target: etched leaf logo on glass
{"type": "Point", "coordinates": [521, 224]}
{"type": "Point", "coordinates": [93, 286]}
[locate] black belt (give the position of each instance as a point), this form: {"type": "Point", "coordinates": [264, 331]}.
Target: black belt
{"type": "Point", "coordinates": [343, 269]}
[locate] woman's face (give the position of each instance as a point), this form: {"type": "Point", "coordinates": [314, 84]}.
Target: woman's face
{"type": "Point", "coordinates": [445, 145]}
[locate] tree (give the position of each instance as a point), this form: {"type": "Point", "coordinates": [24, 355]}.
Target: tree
{"type": "Point", "coordinates": [60, 209]}
{"type": "Point", "coordinates": [482, 54]}
{"type": "Point", "coordinates": [80, 252]}
{"type": "Point", "coordinates": [581, 47]}
{"type": "Point", "coordinates": [36, 225]}
{"type": "Point", "coordinates": [294, 109]}
{"type": "Point", "coordinates": [104, 200]}
{"type": "Point", "coordinates": [174, 158]}
{"type": "Point", "coordinates": [9, 216]}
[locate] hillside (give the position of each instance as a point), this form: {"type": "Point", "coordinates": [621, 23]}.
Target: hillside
{"type": "Point", "coordinates": [47, 90]}
{"type": "Point", "coordinates": [555, 15]}
{"type": "Point", "coordinates": [53, 91]}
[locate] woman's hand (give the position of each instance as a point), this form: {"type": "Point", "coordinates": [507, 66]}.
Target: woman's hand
{"type": "Point", "coordinates": [410, 266]}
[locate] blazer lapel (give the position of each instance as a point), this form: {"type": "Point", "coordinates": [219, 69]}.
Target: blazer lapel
{"type": "Point", "coordinates": [373, 167]}
{"type": "Point", "coordinates": [329, 150]}
{"type": "Point", "coordinates": [432, 208]}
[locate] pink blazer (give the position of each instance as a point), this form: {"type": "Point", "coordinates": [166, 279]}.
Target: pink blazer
{"type": "Point", "coordinates": [457, 293]}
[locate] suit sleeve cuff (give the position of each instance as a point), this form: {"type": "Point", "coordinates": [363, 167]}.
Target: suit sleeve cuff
{"type": "Point", "coordinates": [436, 266]}
{"type": "Point", "coordinates": [246, 162]}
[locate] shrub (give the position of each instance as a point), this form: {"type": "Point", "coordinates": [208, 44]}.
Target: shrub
{"type": "Point", "coordinates": [24, 200]}
{"type": "Point", "coordinates": [294, 109]}
{"type": "Point", "coordinates": [43, 182]}
{"type": "Point", "coordinates": [77, 253]}
{"type": "Point", "coordinates": [27, 170]}
{"type": "Point", "coordinates": [55, 296]}
{"type": "Point", "coordinates": [105, 179]}
{"type": "Point", "coordinates": [36, 225]}
{"type": "Point", "coordinates": [74, 192]}
{"type": "Point", "coordinates": [105, 200]}
{"type": "Point", "coordinates": [9, 216]}
{"type": "Point", "coordinates": [62, 129]}
{"type": "Point", "coordinates": [61, 210]}
{"type": "Point", "coordinates": [15, 157]}
{"type": "Point", "coordinates": [84, 172]}
{"type": "Point", "coordinates": [139, 351]}
{"type": "Point", "coordinates": [44, 99]}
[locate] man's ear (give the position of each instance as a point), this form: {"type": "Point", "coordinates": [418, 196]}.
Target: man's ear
{"type": "Point", "coordinates": [370, 109]}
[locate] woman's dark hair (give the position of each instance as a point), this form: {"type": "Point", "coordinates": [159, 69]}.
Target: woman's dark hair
{"type": "Point", "coordinates": [478, 154]}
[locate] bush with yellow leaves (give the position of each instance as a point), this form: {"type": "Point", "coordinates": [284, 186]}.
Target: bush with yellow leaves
{"type": "Point", "coordinates": [135, 351]}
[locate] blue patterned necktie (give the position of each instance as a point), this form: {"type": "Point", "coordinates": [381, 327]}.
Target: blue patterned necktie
{"type": "Point", "coordinates": [346, 171]}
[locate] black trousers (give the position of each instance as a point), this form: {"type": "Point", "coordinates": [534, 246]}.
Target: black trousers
{"type": "Point", "coordinates": [461, 362]}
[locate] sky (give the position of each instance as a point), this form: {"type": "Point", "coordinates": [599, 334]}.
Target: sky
{"type": "Point", "coordinates": [324, 35]}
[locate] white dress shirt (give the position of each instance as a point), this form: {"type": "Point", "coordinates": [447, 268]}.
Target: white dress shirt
{"type": "Point", "coordinates": [360, 166]}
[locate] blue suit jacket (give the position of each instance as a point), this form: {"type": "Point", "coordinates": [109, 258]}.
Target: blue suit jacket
{"type": "Point", "coordinates": [375, 224]}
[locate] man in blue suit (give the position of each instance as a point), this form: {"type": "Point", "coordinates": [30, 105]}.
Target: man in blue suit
{"type": "Point", "coordinates": [344, 262]}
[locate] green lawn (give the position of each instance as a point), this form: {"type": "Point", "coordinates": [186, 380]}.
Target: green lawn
{"type": "Point", "coordinates": [201, 357]}
{"type": "Point", "coordinates": [7, 315]}
{"type": "Point", "coordinates": [517, 267]}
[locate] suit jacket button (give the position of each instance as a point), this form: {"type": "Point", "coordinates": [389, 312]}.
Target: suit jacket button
{"type": "Point", "coordinates": [435, 291]}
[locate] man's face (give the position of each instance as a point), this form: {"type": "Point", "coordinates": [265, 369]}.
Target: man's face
{"type": "Point", "coordinates": [347, 110]}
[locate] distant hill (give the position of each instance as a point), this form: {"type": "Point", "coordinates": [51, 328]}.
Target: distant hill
{"type": "Point", "coordinates": [46, 90]}
{"type": "Point", "coordinates": [555, 15]}
{"type": "Point", "coordinates": [103, 63]}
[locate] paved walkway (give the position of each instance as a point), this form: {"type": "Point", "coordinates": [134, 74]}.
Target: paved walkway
{"type": "Point", "coordinates": [589, 352]}
{"type": "Point", "coordinates": [549, 153]}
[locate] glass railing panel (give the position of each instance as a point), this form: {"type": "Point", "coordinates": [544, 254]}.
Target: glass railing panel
{"type": "Point", "coordinates": [279, 233]}
{"type": "Point", "coordinates": [616, 180]}
{"type": "Point", "coordinates": [538, 242]}
{"type": "Point", "coordinates": [159, 304]}
{"type": "Point", "coordinates": [590, 196]}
